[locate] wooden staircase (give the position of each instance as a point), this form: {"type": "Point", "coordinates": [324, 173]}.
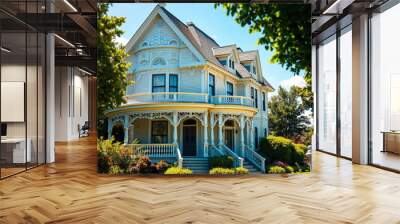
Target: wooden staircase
{"type": "Point", "coordinates": [199, 165]}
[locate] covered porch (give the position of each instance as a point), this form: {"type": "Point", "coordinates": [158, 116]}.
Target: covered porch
{"type": "Point", "coordinates": [179, 134]}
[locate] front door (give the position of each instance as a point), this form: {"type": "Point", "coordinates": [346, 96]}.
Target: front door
{"type": "Point", "coordinates": [189, 138]}
{"type": "Point", "coordinates": [229, 138]}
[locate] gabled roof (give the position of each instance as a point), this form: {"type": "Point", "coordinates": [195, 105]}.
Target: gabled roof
{"type": "Point", "coordinates": [207, 46]}
{"type": "Point", "coordinates": [248, 56]}
{"type": "Point", "coordinates": [224, 50]}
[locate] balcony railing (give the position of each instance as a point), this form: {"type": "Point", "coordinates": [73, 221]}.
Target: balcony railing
{"type": "Point", "coordinates": [186, 97]}
{"type": "Point", "coordinates": [167, 97]}
{"type": "Point", "coordinates": [232, 100]}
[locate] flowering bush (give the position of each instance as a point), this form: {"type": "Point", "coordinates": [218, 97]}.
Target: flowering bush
{"type": "Point", "coordinates": [177, 170]}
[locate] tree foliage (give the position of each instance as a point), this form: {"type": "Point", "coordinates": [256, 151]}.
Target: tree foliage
{"type": "Point", "coordinates": [285, 29]}
{"type": "Point", "coordinates": [112, 65]}
{"type": "Point", "coordinates": [287, 115]}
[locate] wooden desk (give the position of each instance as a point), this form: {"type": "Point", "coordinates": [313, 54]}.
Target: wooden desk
{"type": "Point", "coordinates": [391, 141]}
{"type": "Point", "coordinates": [13, 150]}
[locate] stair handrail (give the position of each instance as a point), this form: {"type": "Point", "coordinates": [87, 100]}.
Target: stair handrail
{"type": "Point", "coordinates": [215, 151]}
{"type": "Point", "coordinates": [255, 158]}
{"type": "Point", "coordinates": [238, 160]}
{"type": "Point", "coordinates": [179, 156]}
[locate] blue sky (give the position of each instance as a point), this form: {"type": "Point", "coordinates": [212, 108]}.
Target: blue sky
{"type": "Point", "coordinates": [215, 23]}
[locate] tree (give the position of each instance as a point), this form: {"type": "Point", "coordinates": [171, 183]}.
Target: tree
{"type": "Point", "coordinates": [287, 116]}
{"type": "Point", "coordinates": [286, 30]}
{"type": "Point", "coordinates": [112, 65]}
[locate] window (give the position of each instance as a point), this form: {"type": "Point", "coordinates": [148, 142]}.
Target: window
{"type": "Point", "coordinates": [173, 83]}
{"type": "Point", "coordinates": [229, 89]}
{"type": "Point", "coordinates": [256, 98]}
{"type": "Point", "coordinates": [231, 64]}
{"type": "Point", "coordinates": [211, 85]}
{"type": "Point", "coordinates": [222, 61]}
{"type": "Point", "coordinates": [252, 95]}
{"type": "Point", "coordinates": [254, 69]}
{"type": "Point", "coordinates": [173, 43]}
{"type": "Point", "coordinates": [345, 83]}
{"type": "Point", "coordinates": [327, 95]}
{"type": "Point", "coordinates": [256, 136]}
{"type": "Point", "coordinates": [145, 44]}
{"type": "Point", "coordinates": [264, 103]}
{"type": "Point", "coordinates": [385, 88]}
{"type": "Point", "coordinates": [265, 132]}
{"type": "Point", "coordinates": [248, 67]}
{"type": "Point", "coordinates": [158, 84]}
{"type": "Point", "coordinates": [159, 132]}
{"type": "Point", "coordinates": [159, 61]}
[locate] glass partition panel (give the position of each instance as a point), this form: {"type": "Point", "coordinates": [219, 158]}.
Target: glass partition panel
{"type": "Point", "coordinates": [385, 89]}
{"type": "Point", "coordinates": [14, 154]}
{"type": "Point", "coordinates": [327, 95]}
{"type": "Point", "coordinates": [346, 93]}
{"type": "Point", "coordinates": [31, 98]}
{"type": "Point", "coordinates": [41, 98]}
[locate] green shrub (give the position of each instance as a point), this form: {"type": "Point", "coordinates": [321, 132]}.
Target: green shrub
{"type": "Point", "coordinates": [241, 170]}
{"type": "Point", "coordinates": [220, 170]}
{"type": "Point", "coordinates": [298, 153]}
{"type": "Point", "coordinates": [115, 170]}
{"type": "Point", "coordinates": [276, 170]}
{"type": "Point", "coordinates": [177, 170]}
{"type": "Point", "coordinates": [289, 169]}
{"type": "Point", "coordinates": [277, 148]}
{"type": "Point", "coordinates": [300, 147]}
{"type": "Point", "coordinates": [221, 161]}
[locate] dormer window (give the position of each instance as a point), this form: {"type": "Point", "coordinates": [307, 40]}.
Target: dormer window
{"type": "Point", "coordinates": [232, 64]}
{"type": "Point", "coordinates": [222, 61]}
{"type": "Point", "coordinates": [248, 67]}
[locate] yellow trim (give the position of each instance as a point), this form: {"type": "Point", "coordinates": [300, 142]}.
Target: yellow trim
{"type": "Point", "coordinates": [250, 111]}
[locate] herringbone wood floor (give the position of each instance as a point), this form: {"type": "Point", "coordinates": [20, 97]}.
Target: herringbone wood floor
{"type": "Point", "coordinates": [70, 191]}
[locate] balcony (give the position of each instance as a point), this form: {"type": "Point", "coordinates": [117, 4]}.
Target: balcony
{"type": "Point", "coordinates": [185, 97]}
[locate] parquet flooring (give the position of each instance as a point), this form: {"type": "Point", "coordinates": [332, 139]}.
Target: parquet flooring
{"type": "Point", "coordinates": [70, 191]}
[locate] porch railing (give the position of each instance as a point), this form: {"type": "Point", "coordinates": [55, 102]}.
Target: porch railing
{"type": "Point", "coordinates": [237, 159]}
{"type": "Point", "coordinates": [158, 151]}
{"type": "Point", "coordinates": [232, 100]}
{"type": "Point", "coordinates": [255, 158]}
{"type": "Point", "coordinates": [167, 97]}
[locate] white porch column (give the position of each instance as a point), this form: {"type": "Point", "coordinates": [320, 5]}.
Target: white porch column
{"type": "Point", "coordinates": [175, 127]}
{"type": "Point", "coordinates": [242, 124]}
{"type": "Point", "coordinates": [205, 128]}
{"type": "Point", "coordinates": [251, 135]}
{"type": "Point", "coordinates": [109, 128]}
{"type": "Point", "coordinates": [220, 124]}
{"type": "Point", "coordinates": [126, 129]}
{"type": "Point", "coordinates": [212, 128]}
